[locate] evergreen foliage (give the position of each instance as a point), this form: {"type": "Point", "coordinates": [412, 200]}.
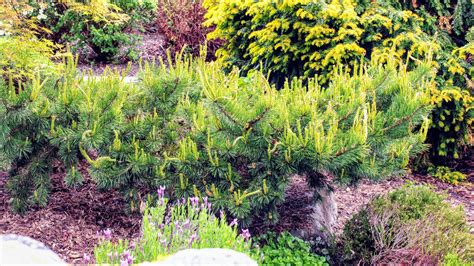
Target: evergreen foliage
{"type": "Point", "coordinates": [303, 38]}
{"type": "Point", "coordinates": [202, 132]}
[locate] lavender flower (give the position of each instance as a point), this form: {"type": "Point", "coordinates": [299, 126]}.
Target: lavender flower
{"type": "Point", "coordinates": [127, 258]}
{"type": "Point", "coordinates": [161, 192]}
{"type": "Point", "coordinates": [192, 239]}
{"type": "Point", "coordinates": [209, 206]}
{"type": "Point", "coordinates": [187, 224]}
{"type": "Point", "coordinates": [245, 234]}
{"type": "Point", "coordinates": [107, 233]}
{"type": "Point", "coordinates": [123, 262]}
{"type": "Point", "coordinates": [234, 222]}
{"type": "Point", "coordinates": [204, 199]}
{"type": "Point", "coordinates": [194, 201]}
{"type": "Point", "coordinates": [86, 259]}
{"type": "Point", "coordinates": [221, 214]}
{"type": "Point", "coordinates": [163, 241]}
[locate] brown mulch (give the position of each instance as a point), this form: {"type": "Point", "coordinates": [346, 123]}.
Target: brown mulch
{"type": "Point", "coordinates": [295, 212]}
{"type": "Point", "coordinates": [72, 218]}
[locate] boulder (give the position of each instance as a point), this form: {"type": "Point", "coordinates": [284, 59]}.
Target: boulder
{"type": "Point", "coordinates": [16, 249]}
{"type": "Point", "coordinates": [206, 256]}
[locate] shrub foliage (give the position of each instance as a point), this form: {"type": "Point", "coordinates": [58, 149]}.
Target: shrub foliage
{"type": "Point", "coordinates": [202, 132]}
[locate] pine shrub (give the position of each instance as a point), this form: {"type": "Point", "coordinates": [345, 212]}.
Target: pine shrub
{"type": "Point", "coordinates": [233, 138]}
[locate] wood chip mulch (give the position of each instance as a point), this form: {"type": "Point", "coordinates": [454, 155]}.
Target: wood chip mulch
{"type": "Point", "coordinates": [70, 222]}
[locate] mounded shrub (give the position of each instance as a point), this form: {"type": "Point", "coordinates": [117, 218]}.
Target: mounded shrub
{"type": "Point", "coordinates": [411, 220]}
{"type": "Point", "coordinates": [307, 38]}
{"type": "Point", "coordinates": [201, 132]}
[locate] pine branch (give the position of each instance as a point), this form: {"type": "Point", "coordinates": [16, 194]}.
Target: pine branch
{"type": "Point", "coordinates": [257, 119]}
{"type": "Point", "coordinates": [403, 119]}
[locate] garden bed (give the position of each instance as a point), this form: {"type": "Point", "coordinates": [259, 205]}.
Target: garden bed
{"type": "Point", "coordinates": [70, 222]}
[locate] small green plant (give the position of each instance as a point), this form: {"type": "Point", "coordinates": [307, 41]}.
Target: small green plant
{"type": "Point", "coordinates": [358, 243]}
{"type": "Point", "coordinates": [446, 175]}
{"type": "Point", "coordinates": [454, 260]}
{"type": "Point", "coordinates": [412, 201]}
{"type": "Point", "coordinates": [286, 249]}
{"type": "Point", "coordinates": [167, 229]}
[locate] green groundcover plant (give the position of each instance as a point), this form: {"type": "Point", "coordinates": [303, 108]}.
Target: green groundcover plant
{"type": "Point", "coordinates": [286, 249]}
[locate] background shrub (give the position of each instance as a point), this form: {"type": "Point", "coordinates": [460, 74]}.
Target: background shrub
{"type": "Point", "coordinates": [22, 58]}
{"type": "Point", "coordinates": [305, 38]}
{"type": "Point", "coordinates": [181, 24]}
{"type": "Point", "coordinates": [98, 25]}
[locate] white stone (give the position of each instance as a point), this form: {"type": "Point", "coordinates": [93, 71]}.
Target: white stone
{"type": "Point", "coordinates": [15, 250]}
{"type": "Point", "coordinates": [206, 256]}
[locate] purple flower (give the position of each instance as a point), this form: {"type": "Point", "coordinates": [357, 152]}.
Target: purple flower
{"type": "Point", "coordinates": [204, 199]}
{"type": "Point", "coordinates": [161, 202]}
{"type": "Point", "coordinates": [127, 258]}
{"type": "Point", "coordinates": [111, 257]}
{"type": "Point", "coordinates": [124, 262]}
{"type": "Point", "coordinates": [161, 192]}
{"type": "Point", "coordinates": [192, 239]}
{"type": "Point", "coordinates": [163, 241]}
{"type": "Point", "coordinates": [86, 259]}
{"type": "Point", "coordinates": [234, 222]}
{"type": "Point", "coordinates": [194, 201]}
{"type": "Point", "coordinates": [209, 206]}
{"type": "Point", "coordinates": [245, 234]}
{"type": "Point", "coordinates": [187, 224]}
{"type": "Point", "coordinates": [107, 233]}
{"type": "Point", "coordinates": [221, 213]}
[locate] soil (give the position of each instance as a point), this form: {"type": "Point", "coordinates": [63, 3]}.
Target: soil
{"type": "Point", "coordinates": [70, 222]}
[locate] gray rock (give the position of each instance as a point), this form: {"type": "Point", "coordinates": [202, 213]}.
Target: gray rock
{"type": "Point", "coordinates": [206, 256]}
{"type": "Point", "coordinates": [325, 211]}
{"type": "Point", "coordinates": [16, 249]}
{"type": "Point", "coordinates": [323, 217]}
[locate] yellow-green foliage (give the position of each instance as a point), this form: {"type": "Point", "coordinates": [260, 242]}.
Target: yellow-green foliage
{"type": "Point", "coordinates": [307, 37]}
{"type": "Point", "coordinates": [21, 59]}
{"type": "Point", "coordinates": [446, 175]}
{"type": "Point", "coordinates": [451, 121]}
